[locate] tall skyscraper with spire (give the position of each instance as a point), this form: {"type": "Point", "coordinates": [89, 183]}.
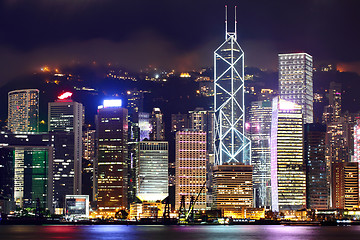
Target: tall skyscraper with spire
{"type": "Point", "coordinates": [231, 144]}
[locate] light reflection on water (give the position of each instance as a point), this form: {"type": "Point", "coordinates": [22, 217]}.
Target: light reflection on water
{"type": "Point", "coordinates": [122, 232]}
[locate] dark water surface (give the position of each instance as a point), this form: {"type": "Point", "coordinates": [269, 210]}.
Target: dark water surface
{"type": "Point", "coordinates": [120, 232]}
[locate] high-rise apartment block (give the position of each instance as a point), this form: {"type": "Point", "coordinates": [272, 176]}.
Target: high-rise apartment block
{"type": "Point", "coordinates": [190, 167]}
{"type": "Point", "coordinates": [259, 129]}
{"type": "Point", "coordinates": [23, 110]}
{"type": "Point", "coordinates": [288, 180]}
{"type": "Point", "coordinates": [296, 81]}
{"type": "Point", "coordinates": [112, 166]}
{"type": "Point", "coordinates": [152, 171]}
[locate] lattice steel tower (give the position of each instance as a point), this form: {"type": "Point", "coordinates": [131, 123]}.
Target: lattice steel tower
{"type": "Point", "coordinates": [231, 144]}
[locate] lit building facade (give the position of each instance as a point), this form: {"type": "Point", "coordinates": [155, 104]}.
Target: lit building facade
{"type": "Point", "coordinates": [112, 166]}
{"type": "Point", "coordinates": [288, 180]}
{"type": "Point", "coordinates": [357, 144]}
{"type": "Point", "coordinates": [345, 185]}
{"type": "Point", "coordinates": [23, 110]}
{"type": "Point", "coordinates": [233, 188]}
{"type": "Point", "coordinates": [31, 183]}
{"type": "Point", "coordinates": [190, 167]}
{"type": "Point", "coordinates": [203, 120]}
{"type": "Point", "coordinates": [157, 123]}
{"type": "Point", "coordinates": [152, 171]}
{"type": "Point", "coordinates": [89, 156]}
{"type": "Point", "coordinates": [332, 112]}
{"type": "Point", "coordinates": [317, 187]}
{"type": "Point", "coordinates": [179, 122]}
{"type": "Point", "coordinates": [231, 144]}
{"type": "Point", "coordinates": [258, 129]}
{"type": "Point", "coordinates": [65, 122]}
{"type": "Point", "coordinates": [296, 81]}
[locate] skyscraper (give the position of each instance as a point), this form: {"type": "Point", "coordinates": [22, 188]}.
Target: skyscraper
{"type": "Point", "coordinates": [65, 122]}
{"type": "Point", "coordinates": [203, 120]}
{"type": "Point", "coordinates": [112, 166]}
{"type": "Point", "coordinates": [332, 112]}
{"type": "Point", "coordinates": [357, 145]}
{"type": "Point", "coordinates": [152, 171]}
{"type": "Point", "coordinates": [231, 144]}
{"type": "Point", "coordinates": [259, 129]}
{"type": "Point", "coordinates": [296, 81]}
{"type": "Point", "coordinates": [157, 123]}
{"type": "Point", "coordinates": [23, 110]}
{"type": "Point", "coordinates": [190, 167]}
{"type": "Point", "coordinates": [317, 187]}
{"type": "Point", "coordinates": [288, 180]}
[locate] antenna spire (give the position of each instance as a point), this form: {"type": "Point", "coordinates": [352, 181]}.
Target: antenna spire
{"type": "Point", "coordinates": [235, 23]}
{"type": "Point", "coordinates": [226, 26]}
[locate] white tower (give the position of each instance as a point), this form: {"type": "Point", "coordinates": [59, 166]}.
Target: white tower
{"type": "Point", "coordinates": [231, 144]}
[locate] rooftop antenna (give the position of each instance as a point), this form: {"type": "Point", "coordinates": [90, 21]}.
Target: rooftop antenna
{"type": "Point", "coordinates": [235, 23]}
{"type": "Point", "coordinates": [226, 27]}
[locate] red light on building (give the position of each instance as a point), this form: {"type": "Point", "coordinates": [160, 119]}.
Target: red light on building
{"type": "Point", "coordinates": [65, 95]}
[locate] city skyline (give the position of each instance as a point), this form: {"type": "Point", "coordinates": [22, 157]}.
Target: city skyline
{"type": "Point", "coordinates": [220, 144]}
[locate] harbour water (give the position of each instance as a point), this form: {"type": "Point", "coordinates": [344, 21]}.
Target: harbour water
{"type": "Point", "coordinates": [213, 232]}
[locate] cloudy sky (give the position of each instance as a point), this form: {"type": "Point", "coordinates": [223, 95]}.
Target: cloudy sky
{"type": "Point", "coordinates": [180, 34]}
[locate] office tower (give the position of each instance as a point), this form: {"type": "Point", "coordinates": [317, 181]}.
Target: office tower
{"type": "Point", "coordinates": [345, 185]}
{"type": "Point", "coordinates": [89, 156]}
{"type": "Point", "coordinates": [135, 104]}
{"type": "Point", "coordinates": [6, 180]}
{"type": "Point", "coordinates": [233, 188]}
{"type": "Point", "coordinates": [317, 187]}
{"type": "Point", "coordinates": [112, 130]}
{"type": "Point", "coordinates": [203, 120]}
{"type": "Point", "coordinates": [23, 110]}
{"type": "Point", "coordinates": [144, 125]}
{"type": "Point", "coordinates": [190, 167]}
{"type": "Point", "coordinates": [179, 122]}
{"type": "Point", "coordinates": [132, 165]}
{"type": "Point", "coordinates": [288, 180]}
{"type": "Point", "coordinates": [27, 160]}
{"type": "Point", "coordinates": [339, 141]}
{"type": "Point", "coordinates": [357, 144]}
{"type": "Point", "coordinates": [158, 128]}
{"type": "Point", "coordinates": [296, 81]}
{"type": "Point", "coordinates": [65, 122]}
{"type": "Point", "coordinates": [31, 188]}
{"type": "Point", "coordinates": [259, 129]}
{"type": "Point", "coordinates": [152, 171]}
{"type": "Point", "coordinates": [332, 112]}
{"type": "Point", "coordinates": [231, 144]}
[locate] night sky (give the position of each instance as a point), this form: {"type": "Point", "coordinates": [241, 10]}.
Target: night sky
{"type": "Point", "coordinates": [176, 34]}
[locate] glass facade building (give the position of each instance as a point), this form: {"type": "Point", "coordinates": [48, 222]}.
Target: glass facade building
{"type": "Point", "coordinates": [152, 171]}
{"type": "Point", "coordinates": [296, 81]}
{"type": "Point", "coordinates": [259, 129]}
{"type": "Point", "coordinates": [112, 165]}
{"type": "Point", "coordinates": [231, 144]}
{"type": "Point", "coordinates": [288, 180]}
